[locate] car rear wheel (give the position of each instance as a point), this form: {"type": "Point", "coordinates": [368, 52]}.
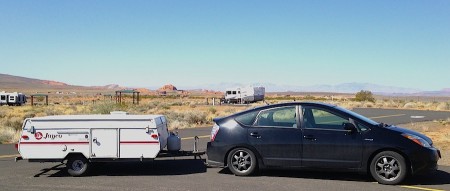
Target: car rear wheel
{"type": "Point", "coordinates": [242, 162]}
{"type": "Point", "coordinates": [77, 165]}
{"type": "Point", "coordinates": [388, 167]}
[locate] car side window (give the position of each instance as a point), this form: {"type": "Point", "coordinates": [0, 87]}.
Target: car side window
{"type": "Point", "coordinates": [319, 118]}
{"type": "Point", "coordinates": [248, 118]}
{"type": "Point", "coordinates": [278, 117]}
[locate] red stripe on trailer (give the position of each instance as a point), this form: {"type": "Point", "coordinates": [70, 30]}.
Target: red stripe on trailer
{"type": "Point", "coordinates": [139, 142]}
{"type": "Point", "coordinates": [51, 143]}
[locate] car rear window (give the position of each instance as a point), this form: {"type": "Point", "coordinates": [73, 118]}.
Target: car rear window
{"type": "Point", "coordinates": [247, 118]}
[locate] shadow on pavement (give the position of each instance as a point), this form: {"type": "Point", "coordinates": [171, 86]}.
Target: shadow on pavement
{"type": "Point", "coordinates": [308, 174]}
{"type": "Point", "coordinates": [440, 177]}
{"type": "Point", "coordinates": [157, 167]}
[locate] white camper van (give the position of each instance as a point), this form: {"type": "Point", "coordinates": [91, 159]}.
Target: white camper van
{"type": "Point", "coordinates": [248, 94]}
{"type": "Point", "coordinates": [81, 139]}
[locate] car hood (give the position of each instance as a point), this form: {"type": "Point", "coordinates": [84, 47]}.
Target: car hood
{"type": "Point", "coordinates": [403, 130]}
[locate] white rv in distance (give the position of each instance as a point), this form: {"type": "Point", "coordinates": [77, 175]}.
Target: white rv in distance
{"type": "Point", "coordinates": [244, 95]}
{"type": "Point", "coordinates": [83, 139]}
{"type": "Point", "coordinates": [14, 98]}
{"type": "Point", "coordinates": [3, 98]}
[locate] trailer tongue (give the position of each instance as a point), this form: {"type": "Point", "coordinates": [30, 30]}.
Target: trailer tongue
{"type": "Point", "coordinates": [80, 140]}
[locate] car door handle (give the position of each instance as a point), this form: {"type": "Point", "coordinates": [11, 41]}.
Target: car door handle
{"type": "Point", "coordinates": [255, 134]}
{"type": "Point", "coordinates": [309, 137]}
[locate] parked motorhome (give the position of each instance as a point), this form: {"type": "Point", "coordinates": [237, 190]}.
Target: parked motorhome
{"type": "Point", "coordinates": [248, 94]}
{"type": "Point", "coordinates": [83, 139]}
{"type": "Point", "coordinates": [14, 98]}
{"type": "Point", "coordinates": [4, 98]}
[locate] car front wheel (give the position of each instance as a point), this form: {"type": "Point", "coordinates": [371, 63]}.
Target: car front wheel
{"type": "Point", "coordinates": [242, 162]}
{"type": "Point", "coordinates": [388, 167]}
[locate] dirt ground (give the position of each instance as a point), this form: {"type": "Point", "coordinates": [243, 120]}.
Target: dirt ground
{"type": "Point", "coordinates": [439, 132]}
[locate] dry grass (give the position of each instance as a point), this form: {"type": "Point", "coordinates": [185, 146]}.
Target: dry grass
{"type": "Point", "coordinates": [439, 132]}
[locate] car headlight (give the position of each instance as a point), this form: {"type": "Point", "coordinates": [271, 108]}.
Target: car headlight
{"type": "Point", "coordinates": [417, 140]}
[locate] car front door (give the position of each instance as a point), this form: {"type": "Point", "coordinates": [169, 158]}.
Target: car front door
{"type": "Point", "coordinates": [277, 137]}
{"type": "Point", "coordinates": [326, 143]}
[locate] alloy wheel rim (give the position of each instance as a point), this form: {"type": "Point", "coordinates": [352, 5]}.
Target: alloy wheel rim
{"type": "Point", "coordinates": [388, 168]}
{"type": "Point", "coordinates": [241, 161]}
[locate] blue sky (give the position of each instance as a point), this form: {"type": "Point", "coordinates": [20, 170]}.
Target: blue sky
{"type": "Point", "coordinates": [192, 43]}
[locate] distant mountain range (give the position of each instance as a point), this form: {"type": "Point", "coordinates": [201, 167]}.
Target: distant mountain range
{"type": "Point", "coordinates": [23, 83]}
{"type": "Point", "coordinates": [339, 88]}
{"type": "Point", "coordinates": [10, 82]}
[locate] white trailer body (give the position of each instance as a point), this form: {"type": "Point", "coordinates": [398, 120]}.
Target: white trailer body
{"type": "Point", "coordinates": [12, 98]}
{"type": "Point", "coordinates": [3, 98]}
{"type": "Point", "coordinates": [244, 94]}
{"type": "Point", "coordinates": [96, 137]}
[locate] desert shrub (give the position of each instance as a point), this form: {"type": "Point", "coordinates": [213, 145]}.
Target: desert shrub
{"type": "Point", "coordinates": [176, 104]}
{"type": "Point", "coordinates": [212, 110]}
{"type": "Point", "coordinates": [15, 123]}
{"type": "Point", "coordinates": [164, 106]}
{"type": "Point", "coordinates": [195, 117]}
{"type": "Point", "coordinates": [410, 105]}
{"type": "Point", "coordinates": [29, 114]}
{"type": "Point", "coordinates": [368, 104]}
{"type": "Point", "coordinates": [9, 135]}
{"type": "Point", "coordinates": [443, 106]}
{"type": "Point", "coordinates": [191, 119]}
{"type": "Point", "coordinates": [364, 96]}
{"type": "Point", "coordinates": [52, 111]}
{"type": "Point", "coordinates": [175, 124]}
{"type": "Point", "coordinates": [106, 108]}
{"type": "Point", "coordinates": [3, 114]}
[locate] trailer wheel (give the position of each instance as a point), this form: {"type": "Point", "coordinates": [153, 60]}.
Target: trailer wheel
{"type": "Point", "coordinates": [77, 165]}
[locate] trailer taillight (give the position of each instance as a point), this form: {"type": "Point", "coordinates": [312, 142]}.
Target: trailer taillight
{"type": "Point", "coordinates": [25, 137]}
{"type": "Point", "coordinates": [155, 136]}
{"type": "Point", "coordinates": [214, 131]}
{"type": "Point", "coordinates": [16, 146]}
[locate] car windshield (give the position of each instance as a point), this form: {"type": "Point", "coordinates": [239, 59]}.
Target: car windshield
{"type": "Point", "coordinates": [359, 116]}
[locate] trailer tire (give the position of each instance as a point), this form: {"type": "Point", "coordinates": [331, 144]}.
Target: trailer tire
{"type": "Point", "coordinates": [77, 165]}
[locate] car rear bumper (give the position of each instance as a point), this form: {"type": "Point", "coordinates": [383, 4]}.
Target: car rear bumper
{"type": "Point", "coordinates": [215, 156]}
{"type": "Point", "coordinates": [425, 161]}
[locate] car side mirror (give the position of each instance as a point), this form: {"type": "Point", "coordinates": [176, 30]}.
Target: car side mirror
{"type": "Point", "coordinates": [349, 127]}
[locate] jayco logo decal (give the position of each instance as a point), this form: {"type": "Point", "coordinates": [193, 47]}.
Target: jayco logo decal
{"type": "Point", "coordinates": [39, 136]}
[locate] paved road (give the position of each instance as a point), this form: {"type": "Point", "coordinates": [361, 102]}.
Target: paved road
{"type": "Point", "coordinates": [185, 173]}
{"type": "Point", "coordinates": [401, 116]}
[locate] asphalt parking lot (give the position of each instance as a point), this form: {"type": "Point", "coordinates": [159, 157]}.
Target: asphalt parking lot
{"type": "Point", "coordinates": [187, 173]}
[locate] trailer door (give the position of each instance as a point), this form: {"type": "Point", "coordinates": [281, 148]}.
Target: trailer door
{"type": "Point", "coordinates": [104, 143]}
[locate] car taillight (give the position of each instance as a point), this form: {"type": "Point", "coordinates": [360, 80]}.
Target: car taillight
{"type": "Point", "coordinates": [214, 131]}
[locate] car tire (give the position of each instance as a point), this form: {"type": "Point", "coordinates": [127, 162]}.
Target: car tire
{"type": "Point", "coordinates": [389, 168]}
{"type": "Point", "coordinates": [242, 162]}
{"type": "Point", "coordinates": [77, 165]}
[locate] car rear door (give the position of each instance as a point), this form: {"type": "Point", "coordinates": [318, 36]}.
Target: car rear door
{"type": "Point", "coordinates": [325, 141]}
{"type": "Point", "coordinates": [277, 137]}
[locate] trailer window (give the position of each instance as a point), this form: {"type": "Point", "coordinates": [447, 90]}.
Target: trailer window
{"type": "Point", "coordinates": [228, 92]}
{"type": "Point", "coordinates": [3, 97]}
{"type": "Point", "coordinates": [234, 92]}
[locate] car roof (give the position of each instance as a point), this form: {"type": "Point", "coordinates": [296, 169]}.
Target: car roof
{"type": "Point", "coordinates": [277, 105]}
